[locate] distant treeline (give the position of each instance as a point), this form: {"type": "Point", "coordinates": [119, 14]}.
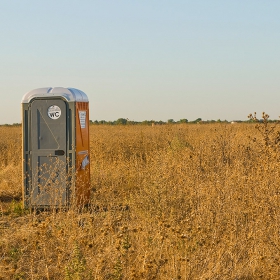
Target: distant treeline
{"type": "Point", "coordinates": [14, 124]}
{"type": "Point", "coordinates": [123, 121]}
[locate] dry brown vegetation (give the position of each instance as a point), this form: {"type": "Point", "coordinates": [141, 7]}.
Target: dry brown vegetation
{"type": "Point", "coordinates": [169, 202]}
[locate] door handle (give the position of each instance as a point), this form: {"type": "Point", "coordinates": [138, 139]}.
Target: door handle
{"type": "Point", "coordinates": [59, 153]}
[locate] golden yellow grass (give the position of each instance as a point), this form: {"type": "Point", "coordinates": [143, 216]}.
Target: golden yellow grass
{"type": "Point", "coordinates": [190, 201]}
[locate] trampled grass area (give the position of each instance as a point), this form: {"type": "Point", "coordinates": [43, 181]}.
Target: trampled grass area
{"type": "Point", "coordinates": [190, 201]}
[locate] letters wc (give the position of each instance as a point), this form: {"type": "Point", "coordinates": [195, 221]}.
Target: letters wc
{"type": "Point", "coordinates": [56, 165]}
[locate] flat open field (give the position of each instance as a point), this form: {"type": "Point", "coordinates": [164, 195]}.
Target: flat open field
{"type": "Point", "coordinates": [190, 201]}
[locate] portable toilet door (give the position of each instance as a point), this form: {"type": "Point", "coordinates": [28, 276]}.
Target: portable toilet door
{"type": "Point", "coordinates": [55, 147]}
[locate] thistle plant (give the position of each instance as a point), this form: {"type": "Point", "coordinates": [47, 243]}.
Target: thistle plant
{"type": "Point", "coordinates": [269, 135]}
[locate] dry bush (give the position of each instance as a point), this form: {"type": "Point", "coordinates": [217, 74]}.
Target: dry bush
{"type": "Point", "coordinates": [168, 202]}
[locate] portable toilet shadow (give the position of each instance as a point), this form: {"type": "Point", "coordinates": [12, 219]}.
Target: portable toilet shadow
{"type": "Point", "coordinates": [56, 164]}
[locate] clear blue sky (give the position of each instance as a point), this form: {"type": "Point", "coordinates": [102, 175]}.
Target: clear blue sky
{"type": "Point", "coordinates": [145, 59]}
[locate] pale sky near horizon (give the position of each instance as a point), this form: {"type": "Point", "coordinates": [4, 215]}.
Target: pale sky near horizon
{"type": "Point", "coordinates": [144, 60]}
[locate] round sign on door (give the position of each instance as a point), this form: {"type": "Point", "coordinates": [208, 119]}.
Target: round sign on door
{"type": "Point", "coordinates": [54, 112]}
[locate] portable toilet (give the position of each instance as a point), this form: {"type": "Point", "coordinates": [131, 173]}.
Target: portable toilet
{"type": "Point", "coordinates": [56, 166]}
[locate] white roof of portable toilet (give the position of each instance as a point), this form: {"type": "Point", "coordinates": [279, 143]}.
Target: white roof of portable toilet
{"type": "Point", "coordinates": [69, 94]}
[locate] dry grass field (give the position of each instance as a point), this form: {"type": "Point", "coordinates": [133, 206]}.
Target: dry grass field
{"type": "Point", "coordinates": [190, 201]}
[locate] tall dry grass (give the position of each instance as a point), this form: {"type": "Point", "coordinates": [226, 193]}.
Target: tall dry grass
{"type": "Point", "coordinates": [168, 202]}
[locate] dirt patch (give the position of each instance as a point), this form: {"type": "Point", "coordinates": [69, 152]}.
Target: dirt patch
{"type": "Point", "coordinates": [4, 197]}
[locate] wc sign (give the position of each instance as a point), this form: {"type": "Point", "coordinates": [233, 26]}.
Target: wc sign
{"type": "Point", "coordinates": [54, 112]}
